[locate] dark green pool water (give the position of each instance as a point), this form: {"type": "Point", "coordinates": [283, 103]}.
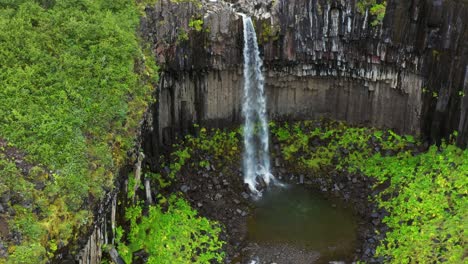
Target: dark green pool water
{"type": "Point", "coordinates": [301, 217]}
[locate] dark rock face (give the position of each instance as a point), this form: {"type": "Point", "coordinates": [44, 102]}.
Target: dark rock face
{"type": "Point", "coordinates": [322, 58]}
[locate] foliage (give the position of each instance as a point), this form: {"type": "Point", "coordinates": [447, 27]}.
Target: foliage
{"type": "Point", "coordinates": [175, 235]}
{"type": "Point", "coordinates": [333, 145]}
{"type": "Point", "coordinates": [268, 32]}
{"type": "Point", "coordinates": [376, 9]}
{"type": "Point", "coordinates": [182, 35]}
{"type": "Point", "coordinates": [428, 205]}
{"type": "Point", "coordinates": [197, 151]}
{"type": "Point", "coordinates": [196, 24]}
{"type": "Point", "coordinates": [426, 197]}
{"type": "Point", "coordinates": [75, 84]}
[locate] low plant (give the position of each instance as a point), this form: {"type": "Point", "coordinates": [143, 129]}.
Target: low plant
{"type": "Point", "coordinates": [426, 197]}
{"type": "Point", "coordinates": [171, 232]}
{"type": "Point", "coordinates": [376, 9]}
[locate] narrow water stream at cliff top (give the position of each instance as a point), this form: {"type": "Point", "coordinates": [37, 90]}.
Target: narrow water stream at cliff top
{"type": "Point", "coordinates": [301, 218]}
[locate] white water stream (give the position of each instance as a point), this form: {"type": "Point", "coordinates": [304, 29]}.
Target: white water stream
{"type": "Point", "coordinates": [256, 138]}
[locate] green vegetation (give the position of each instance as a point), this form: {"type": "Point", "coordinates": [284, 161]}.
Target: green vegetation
{"type": "Point", "coordinates": [375, 9]}
{"type": "Point", "coordinates": [171, 232]}
{"type": "Point", "coordinates": [216, 145]}
{"type": "Point", "coordinates": [268, 32]}
{"type": "Point", "coordinates": [428, 206]}
{"type": "Point", "coordinates": [182, 35]}
{"type": "Point", "coordinates": [196, 24]}
{"type": "Point", "coordinates": [333, 144]}
{"type": "Point", "coordinates": [174, 235]}
{"type": "Point", "coordinates": [75, 84]}
{"type": "Point", "coordinates": [427, 192]}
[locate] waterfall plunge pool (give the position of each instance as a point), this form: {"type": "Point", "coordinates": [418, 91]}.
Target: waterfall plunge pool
{"type": "Point", "coordinates": [299, 225]}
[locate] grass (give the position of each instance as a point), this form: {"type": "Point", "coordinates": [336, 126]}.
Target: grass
{"type": "Point", "coordinates": [75, 83]}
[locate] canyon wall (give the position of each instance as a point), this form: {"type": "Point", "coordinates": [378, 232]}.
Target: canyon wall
{"type": "Point", "coordinates": [322, 58]}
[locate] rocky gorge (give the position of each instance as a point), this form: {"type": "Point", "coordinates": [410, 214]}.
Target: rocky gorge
{"type": "Point", "coordinates": [321, 59]}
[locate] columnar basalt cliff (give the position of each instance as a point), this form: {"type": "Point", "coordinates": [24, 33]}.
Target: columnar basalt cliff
{"type": "Point", "coordinates": [322, 58]}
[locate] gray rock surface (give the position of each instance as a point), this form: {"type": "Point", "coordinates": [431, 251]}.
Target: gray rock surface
{"type": "Point", "coordinates": [322, 59]}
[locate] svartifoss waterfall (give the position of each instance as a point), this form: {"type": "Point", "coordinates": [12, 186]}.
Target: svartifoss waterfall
{"type": "Point", "coordinates": [256, 139]}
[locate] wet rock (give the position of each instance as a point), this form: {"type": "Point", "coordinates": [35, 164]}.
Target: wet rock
{"type": "Point", "coordinates": [218, 196]}
{"type": "Point", "coordinates": [277, 162]}
{"type": "Point", "coordinates": [245, 195]}
{"type": "Point", "coordinates": [3, 250]}
{"type": "Point", "coordinates": [376, 222]}
{"type": "Point", "coordinates": [184, 188]}
{"type": "Point", "coordinates": [336, 188]}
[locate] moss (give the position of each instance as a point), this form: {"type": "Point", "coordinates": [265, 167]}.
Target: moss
{"type": "Point", "coordinates": [196, 24]}
{"type": "Point", "coordinates": [268, 32]}
{"type": "Point", "coordinates": [75, 85]}
{"type": "Point", "coordinates": [377, 10]}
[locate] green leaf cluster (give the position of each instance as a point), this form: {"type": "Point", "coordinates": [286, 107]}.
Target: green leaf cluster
{"type": "Point", "coordinates": [377, 10]}
{"type": "Point", "coordinates": [175, 235]}
{"type": "Point", "coordinates": [333, 145]}
{"type": "Point", "coordinates": [196, 24]}
{"type": "Point", "coordinates": [428, 204]}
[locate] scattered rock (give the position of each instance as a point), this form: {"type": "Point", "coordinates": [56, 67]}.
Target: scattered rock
{"type": "Point", "coordinates": [184, 188]}
{"type": "Point", "coordinates": [277, 162]}
{"type": "Point", "coordinates": [218, 196]}
{"type": "Point", "coordinates": [376, 222]}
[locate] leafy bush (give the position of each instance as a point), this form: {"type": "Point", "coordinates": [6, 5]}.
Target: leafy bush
{"type": "Point", "coordinates": [175, 235]}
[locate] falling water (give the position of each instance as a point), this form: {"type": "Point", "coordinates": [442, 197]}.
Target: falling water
{"type": "Point", "coordinates": [256, 153]}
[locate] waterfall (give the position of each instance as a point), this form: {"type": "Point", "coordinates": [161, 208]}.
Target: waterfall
{"type": "Point", "coordinates": [256, 138]}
